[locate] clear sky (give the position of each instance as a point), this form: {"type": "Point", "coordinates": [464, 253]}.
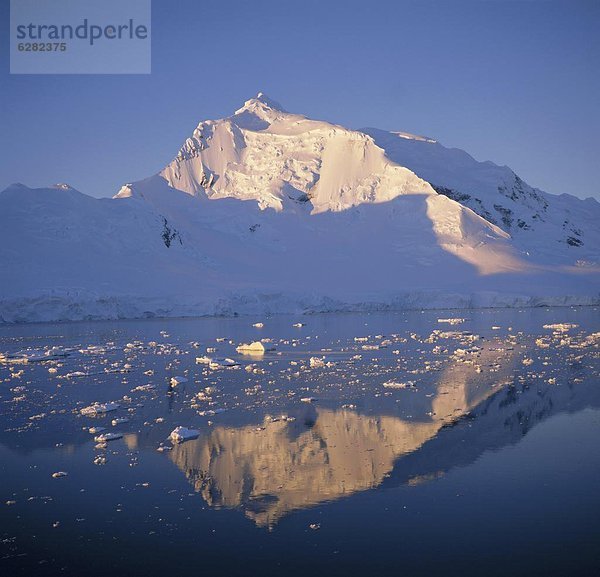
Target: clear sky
{"type": "Point", "coordinates": [516, 82]}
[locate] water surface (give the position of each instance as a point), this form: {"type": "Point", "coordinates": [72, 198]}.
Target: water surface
{"type": "Point", "coordinates": [408, 445]}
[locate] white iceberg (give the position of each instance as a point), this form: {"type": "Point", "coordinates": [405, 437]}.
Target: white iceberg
{"type": "Point", "coordinates": [181, 434]}
{"type": "Point", "coordinates": [99, 408]}
{"type": "Point", "coordinates": [119, 421]}
{"type": "Point", "coordinates": [254, 348]}
{"type": "Point", "coordinates": [219, 363]}
{"type": "Point", "coordinates": [398, 385]}
{"type": "Point", "coordinates": [104, 437]}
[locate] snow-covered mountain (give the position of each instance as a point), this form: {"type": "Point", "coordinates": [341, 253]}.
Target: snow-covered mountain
{"type": "Point", "coordinates": [269, 211]}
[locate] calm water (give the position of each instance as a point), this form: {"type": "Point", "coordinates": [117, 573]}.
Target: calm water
{"type": "Point", "coordinates": [409, 447]}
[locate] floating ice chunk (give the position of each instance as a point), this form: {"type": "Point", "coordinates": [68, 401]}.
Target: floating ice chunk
{"type": "Point", "coordinates": [452, 321]}
{"type": "Point", "coordinates": [96, 430]}
{"type": "Point", "coordinates": [104, 437]}
{"type": "Point", "coordinates": [32, 356]}
{"type": "Point", "coordinates": [203, 360]}
{"type": "Point", "coordinates": [399, 385]}
{"type": "Point", "coordinates": [178, 380]}
{"type": "Point", "coordinates": [119, 421]}
{"type": "Point", "coordinates": [219, 363]}
{"type": "Point", "coordinates": [59, 474]}
{"type": "Point", "coordinates": [298, 325]}
{"type": "Point", "coordinates": [308, 399]}
{"type": "Point", "coordinates": [527, 361]}
{"type": "Point", "coordinates": [316, 362]}
{"type": "Point", "coordinates": [99, 408]}
{"type": "Point", "coordinates": [258, 325]}
{"type": "Point", "coordinates": [181, 434]}
{"type": "Point", "coordinates": [252, 368]}
{"type": "Point", "coordinates": [96, 349]}
{"type": "Point", "coordinates": [561, 327]}
{"type": "Point", "coordinates": [254, 348]}
{"type": "Point", "coordinates": [148, 387]}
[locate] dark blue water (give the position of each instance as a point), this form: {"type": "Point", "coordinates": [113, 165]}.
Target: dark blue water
{"type": "Point", "coordinates": [485, 463]}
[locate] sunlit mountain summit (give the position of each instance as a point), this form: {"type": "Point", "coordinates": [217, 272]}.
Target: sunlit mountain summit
{"type": "Point", "coordinates": [270, 211]}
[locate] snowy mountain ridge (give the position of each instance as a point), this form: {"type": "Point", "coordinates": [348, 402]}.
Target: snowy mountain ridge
{"type": "Point", "coordinates": [269, 211]}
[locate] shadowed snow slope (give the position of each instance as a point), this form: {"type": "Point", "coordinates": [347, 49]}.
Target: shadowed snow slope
{"type": "Point", "coordinates": [268, 211]}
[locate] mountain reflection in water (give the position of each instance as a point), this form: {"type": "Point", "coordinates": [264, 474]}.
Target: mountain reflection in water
{"type": "Point", "coordinates": [280, 466]}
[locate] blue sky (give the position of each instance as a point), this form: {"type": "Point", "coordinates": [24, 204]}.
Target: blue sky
{"type": "Point", "coordinates": [516, 82]}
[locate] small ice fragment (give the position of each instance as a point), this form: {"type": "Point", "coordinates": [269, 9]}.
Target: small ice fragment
{"type": "Point", "coordinates": [104, 437]}
{"type": "Point", "coordinates": [308, 399]}
{"type": "Point", "coordinates": [316, 362]}
{"type": "Point", "coordinates": [98, 408]}
{"type": "Point", "coordinates": [119, 421]}
{"type": "Point", "coordinates": [258, 325]}
{"type": "Point", "coordinates": [561, 327]}
{"type": "Point", "coordinates": [218, 363]}
{"type": "Point", "coordinates": [59, 474]}
{"type": "Point", "coordinates": [178, 381]}
{"type": "Point", "coordinates": [398, 385]}
{"type": "Point", "coordinates": [148, 387]}
{"type": "Point", "coordinates": [298, 325]}
{"type": "Point", "coordinates": [180, 434]}
{"type": "Point", "coordinates": [96, 430]}
{"type": "Point", "coordinates": [315, 526]}
{"type": "Point", "coordinates": [254, 348]}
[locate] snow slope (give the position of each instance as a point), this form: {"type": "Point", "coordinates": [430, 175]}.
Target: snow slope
{"type": "Point", "coordinates": [268, 211]}
{"type": "Point", "coordinates": [536, 220]}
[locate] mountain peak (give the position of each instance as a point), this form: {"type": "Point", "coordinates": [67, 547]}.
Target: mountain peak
{"type": "Point", "coordinates": [261, 102]}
